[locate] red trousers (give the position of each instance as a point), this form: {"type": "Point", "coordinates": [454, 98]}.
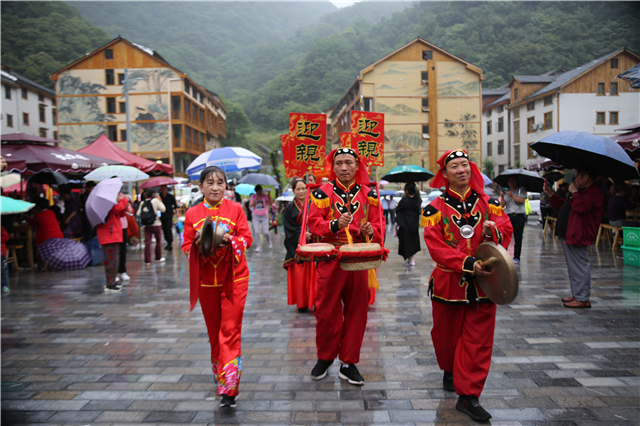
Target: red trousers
{"type": "Point", "coordinates": [463, 340]}
{"type": "Point", "coordinates": [224, 325]}
{"type": "Point", "coordinates": [301, 284]}
{"type": "Point", "coordinates": [341, 311]}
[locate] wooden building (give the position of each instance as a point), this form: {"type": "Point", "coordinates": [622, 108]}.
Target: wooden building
{"type": "Point", "coordinates": [172, 118]}
{"type": "Point", "coordinates": [431, 101]}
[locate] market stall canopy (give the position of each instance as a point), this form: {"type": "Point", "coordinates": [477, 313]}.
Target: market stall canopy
{"type": "Point", "coordinates": [33, 158]}
{"type": "Point", "coordinates": [632, 75]}
{"type": "Point", "coordinates": [17, 138]}
{"type": "Point", "coordinates": [105, 148]}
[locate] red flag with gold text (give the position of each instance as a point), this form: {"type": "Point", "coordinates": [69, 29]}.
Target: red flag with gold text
{"type": "Point", "coordinates": [308, 138]}
{"type": "Point", "coordinates": [367, 136]}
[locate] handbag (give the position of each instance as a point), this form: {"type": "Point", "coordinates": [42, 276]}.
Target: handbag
{"type": "Point", "coordinates": [95, 250]}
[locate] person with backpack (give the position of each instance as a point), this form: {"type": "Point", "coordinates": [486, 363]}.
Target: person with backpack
{"type": "Point", "coordinates": [149, 213]}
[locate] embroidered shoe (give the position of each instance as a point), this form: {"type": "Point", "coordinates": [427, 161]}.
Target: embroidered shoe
{"type": "Point", "coordinates": [470, 406]}
{"type": "Point", "coordinates": [350, 372]}
{"type": "Point", "coordinates": [228, 401]}
{"type": "Point", "coordinates": [447, 382]}
{"type": "Point", "coordinates": [319, 372]}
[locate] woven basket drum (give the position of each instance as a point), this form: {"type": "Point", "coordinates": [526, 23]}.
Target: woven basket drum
{"type": "Point", "coordinates": [349, 262]}
{"type": "Point", "coordinates": [316, 252]}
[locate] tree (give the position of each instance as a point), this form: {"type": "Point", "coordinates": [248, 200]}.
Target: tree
{"type": "Point", "coordinates": [488, 166]}
{"type": "Point", "coordinates": [274, 157]}
{"type": "Point", "coordinates": [238, 125]}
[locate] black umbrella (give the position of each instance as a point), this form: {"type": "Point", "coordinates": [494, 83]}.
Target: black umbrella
{"type": "Point", "coordinates": [531, 181]}
{"type": "Point", "coordinates": [259, 179]}
{"type": "Point", "coordinates": [49, 178]}
{"type": "Point", "coordinates": [553, 176]}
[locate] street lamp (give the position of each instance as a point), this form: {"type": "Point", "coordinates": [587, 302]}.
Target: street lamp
{"type": "Point", "coordinates": [126, 82]}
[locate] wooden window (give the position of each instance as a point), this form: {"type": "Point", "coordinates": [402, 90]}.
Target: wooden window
{"type": "Point", "coordinates": [501, 168]}
{"type": "Point", "coordinates": [54, 116]}
{"type": "Point", "coordinates": [600, 89]}
{"type": "Point", "coordinates": [111, 105]}
{"type": "Point", "coordinates": [425, 104]}
{"type": "Point", "coordinates": [501, 147]}
{"type": "Point", "coordinates": [500, 124]}
{"type": "Point", "coordinates": [108, 54]}
{"type": "Point", "coordinates": [121, 79]}
{"type": "Point", "coordinates": [531, 106]}
{"type": "Point", "coordinates": [530, 152]}
{"type": "Point", "coordinates": [548, 100]}
{"type": "Point", "coordinates": [424, 77]}
{"type": "Point", "coordinates": [187, 86]}
{"type": "Point", "coordinates": [516, 131]}
{"type": "Point", "coordinates": [613, 117]}
{"type": "Point", "coordinates": [600, 118]}
{"type": "Point", "coordinates": [516, 152]}
{"type": "Point", "coordinates": [175, 103]}
{"type": "Point", "coordinates": [516, 113]}
{"type": "Point", "coordinates": [40, 97]}
{"type": "Point", "coordinates": [55, 134]}
{"type": "Point", "coordinates": [25, 93]}
{"type": "Point", "coordinates": [489, 149]}
{"type": "Point", "coordinates": [489, 111]}
{"type": "Point", "coordinates": [123, 135]}
{"type": "Point", "coordinates": [488, 127]}
{"type": "Point", "coordinates": [614, 64]}
{"type": "Point", "coordinates": [367, 104]}
{"type": "Point", "coordinates": [425, 131]}
{"type": "Point", "coordinates": [614, 89]}
{"type": "Point", "coordinates": [194, 109]}
{"type": "Point", "coordinates": [9, 120]}
{"type": "Point", "coordinates": [112, 133]}
{"type": "Point", "coordinates": [500, 108]}
{"type": "Point", "coordinates": [187, 133]}
{"type": "Point", "coordinates": [123, 107]}
{"type": "Point", "coordinates": [515, 94]}
{"type": "Point", "coordinates": [202, 116]}
{"type": "Point", "coordinates": [427, 55]}
{"type": "Point", "coordinates": [42, 112]}
{"type": "Point", "coordinates": [187, 106]}
{"type": "Point", "coordinates": [548, 120]}
{"type": "Point", "coordinates": [109, 78]}
{"type": "Point", "coordinates": [42, 132]}
{"type": "Point", "coordinates": [177, 135]}
{"type": "Point", "coordinates": [531, 126]}
{"type": "Point", "coordinates": [25, 118]}
{"type": "Point", "coordinates": [7, 91]}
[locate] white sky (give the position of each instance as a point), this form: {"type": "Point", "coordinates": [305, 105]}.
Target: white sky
{"type": "Point", "coordinates": [343, 3]}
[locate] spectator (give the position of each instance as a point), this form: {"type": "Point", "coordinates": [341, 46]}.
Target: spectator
{"type": "Point", "coordinates": [72, 215]}
{"type": "Point", "coordinates": [634, 197]}
{"type": "Point", "coordinates": [513, 202]}
{"type": "Point", "coordinates": [259, 203]}
{"type": "Point", "coordinates": [152, 202]}
{"type": "Point", "coordinates": [124, 222]}
{"type": "Point", "coordinates": [45, 222]}
{"type": "Point", "coordinates": [5, 264]}
{"type": "Point", "coordinates": [409, 224]}
{"type": "Point", "coordinates": [392, 208]}
{"type": "Point", "coordinates": [110, 237]}
{"type": "Point", "coordinates": [385, 209]}
{"type": "Point", "coordinates": [166, 218]}
{"type": "Point", "coordinates": [618, 206]}
{"type": "Point", "coordinates": [88, 231]}
{"type": "Point", "coordinates": [273, 217]}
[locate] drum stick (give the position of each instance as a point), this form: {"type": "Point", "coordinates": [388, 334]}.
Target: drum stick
{"type": "Point", "coordinates": [489, 262]}
{"type": "Point", "coordinates": [349, 238]}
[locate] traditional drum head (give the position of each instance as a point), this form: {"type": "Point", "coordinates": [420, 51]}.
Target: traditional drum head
{"type": "Point", "coordinates": [502, 285]}
{"type": "Point", "coordinates": [316, 247]}
{"type": "Point", "coordinates": [352, 258]}
{"type": "Point", "coordinates": [316, 252]}
{"type": "Point", "coordinates": [207, 236]}
{"type": "Point", "coordinates": [360, 247]}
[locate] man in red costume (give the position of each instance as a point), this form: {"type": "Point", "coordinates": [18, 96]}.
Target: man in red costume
{"type": "Point", "coordinates": [342, 297]}
{"type": "Point", "coordinates": [464, 318]}
{"type": "Point", "coordinates": [221, 279]}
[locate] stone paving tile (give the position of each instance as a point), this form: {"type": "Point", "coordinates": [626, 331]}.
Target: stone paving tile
{"type": "Point", "coordinates": [140, 357]}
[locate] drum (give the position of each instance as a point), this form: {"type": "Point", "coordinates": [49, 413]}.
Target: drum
{"type": "Point", "coordinates": [361, 256]}
{"type": "Point", "coordinates": [316, 252]}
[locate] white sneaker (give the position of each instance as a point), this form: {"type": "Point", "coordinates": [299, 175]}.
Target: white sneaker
{"type": "Point", "coordinates": [259, 249]}
{"type": "Point", "coordinates": [148, 264]}
{"type": "Point", "coordinates": [117, 279]}
{"type": "Point", "coordinates": [124, 276]}
{"type": "Point", "coordinates": [162, 259]}
{"type": "Point", "coordinates": [270, 245]}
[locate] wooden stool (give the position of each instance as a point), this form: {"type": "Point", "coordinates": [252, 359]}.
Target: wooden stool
{"type": "Point", "coordinates": [609, 230]}
{"type": "Point", "coordinates": [551, 225]}
{"type": "Point", "coordinates": [77, 240]}
{"type": "Point", "coordinates": [12, 257]}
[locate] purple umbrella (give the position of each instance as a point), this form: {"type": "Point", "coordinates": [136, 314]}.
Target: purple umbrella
{"type": "Point", "coordinates": [64, 254]}
{"type": "Point", "coordinates": [102, 198]}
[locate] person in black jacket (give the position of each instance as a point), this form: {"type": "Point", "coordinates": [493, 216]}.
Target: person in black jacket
{"type": "Point", "coordinates": [408, 220]}
{"type": "Point", "coordinates": [169, 202]}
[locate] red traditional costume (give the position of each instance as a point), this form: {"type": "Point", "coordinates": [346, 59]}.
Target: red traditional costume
{"type": "Point", "coordinates": [221, 281]}
{"type": "Point", "coordinates": [463, 316]}
{"type": "Point", "coordinates": [301, 276]}
{"type": "Point", "coordinates": [342, 296]}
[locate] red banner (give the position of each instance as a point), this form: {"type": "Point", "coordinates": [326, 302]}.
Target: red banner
{"type": "Point", "coordinates": [345, 140]}
{"type": "Point", "coordinates": [291, 167]}
{"type": "Point", "coordinates": [307, 141]}
{"type": "Point", "coordinates": [367, 136]}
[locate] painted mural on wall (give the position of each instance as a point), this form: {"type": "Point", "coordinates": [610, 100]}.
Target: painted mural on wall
{"type": "Point", "coordinates": [455, 80]}
{"type": "Point", "coordinates": [404, 147]}
{"type": "Point", "coordinates": [401, 78]}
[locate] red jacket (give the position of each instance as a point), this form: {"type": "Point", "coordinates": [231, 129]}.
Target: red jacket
{"type": "Point", "coordinates": [5, 238]}
{"type": "Point", "coordinates": [110, 232]}
{"type": "Point", "coordinates": [46, 225]}
{"type": "Point", "coordinates": [585, 217]}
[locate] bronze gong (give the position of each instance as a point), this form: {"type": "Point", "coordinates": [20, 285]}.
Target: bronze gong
{"type": "Point", "coordinates": [502, 285]}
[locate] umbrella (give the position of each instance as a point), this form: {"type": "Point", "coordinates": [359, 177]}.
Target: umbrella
{"type": "Point", "coordinates": [229, 159]}
{"type": "Point", "coordinates": [408, 174]}
{"type": "Point", "coordinates": [245, 189]}
{"type": "Point", "coordinates": [286, 193]}
{"type": "Point", "coordinates": [29, 159]}
{"type": "Point", "coordinates": [531, 181]}
{"type": "Point", "coordinates": [64, 254]}
{"type": "Point", "coordinates": [632, 75]}
{"type": "Point", "coordinates": [543, 165]}
{"type": "Point", "coordinates": [386, 192]}
{"type": "Point", "coordinates": [384, 182]}
{"type": "Point", "coordinates": [101, 199]}
{"type": "Point", "coordinates": [630, 142]}
{"type": "Point", "coordinates": [259, 179]}
{"type": "Point", "coordinates": [574, 149]}
{"type": "Point", "coordinates": [11, 206]}
{"type": "Point", "coordinates": [125, 173]}
{"type": "Point", "coordinates": [49, 178]}
{"type": "Point", "coordinates": [553, 176]}
{"type": "Point", "coordinates": [158, 181]}
{"type": "Point", "coordinates": [486, 179]}
{"type": "Point", "coordinates": [9, 179]}
{"type": "Point", "coordinates": [285, 198]}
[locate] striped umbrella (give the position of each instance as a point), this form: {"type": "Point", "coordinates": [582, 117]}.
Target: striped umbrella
{"type": "Point", "coordinates": [64, 254]}
{"type": "Point", "coordinates": [229, 159]}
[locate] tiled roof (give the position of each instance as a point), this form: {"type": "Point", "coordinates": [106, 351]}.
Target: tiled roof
{"type": "Point", "coordinates": [505, 97]}
{"type": "Point", "coordinates": [534, 78]}
{"type": "Point", "coordinates": [495, 92]}
{"type": "Point", "coordinates": [15, 77]}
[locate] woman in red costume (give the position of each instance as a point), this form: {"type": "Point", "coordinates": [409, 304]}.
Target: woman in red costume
{"type": "Point", "coordinates": [220, 280]}
{"type": "Point", "coordinates": [464, 319]}
{"type": "Point", "coordinates": [301, 276]}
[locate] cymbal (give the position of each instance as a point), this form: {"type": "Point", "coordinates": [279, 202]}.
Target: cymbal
{"type": "Point", "coordinates": [206, 236]}
{"type": "Point", "coordinates": [502, 285]}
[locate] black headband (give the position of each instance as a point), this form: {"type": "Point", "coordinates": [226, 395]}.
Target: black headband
{"type": "Point", "coordinates": [455, 155]}
{"type": "Point", "coordinates": [348, 151]}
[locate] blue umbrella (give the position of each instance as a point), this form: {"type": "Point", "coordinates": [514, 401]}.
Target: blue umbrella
{"type": "Point", "coordinates": [487, 180]}
{"type": "Point", "coordinates": [258, 179]}
{"type": "Point", "coordinates": [229, 159]}
{"type": "Point", "coordinates": [386, 192]}
{"type": "Point", "coordinates": [10, 206]}
{"type": "Point", "coordinates": [574, 149]}
{"type": "Point", "coordinates": [245, 189]}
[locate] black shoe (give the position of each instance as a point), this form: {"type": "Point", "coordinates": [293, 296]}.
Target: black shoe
{"type": "Point", "coordinates": [112, 288]}
{"type": "Point", "coordinates": [447, 382]}
{"type": "Point", "coordinates": [319, 372]}
{"type": "Point", "coordinates": [350, 372]}
{"type": "Point", "coordinates": [228, 401]}
{"type": "Point", "coordinates": [169, 247]}
{"type": "Point", "coordinates": [471, 407]}
{"type": "Point", "coordinates": [303, 310]}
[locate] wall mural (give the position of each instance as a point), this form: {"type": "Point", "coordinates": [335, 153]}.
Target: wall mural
{"type": "Point", "coordinates": [404, 147]}
{"type": "Point", "coordinates": [455, 80]}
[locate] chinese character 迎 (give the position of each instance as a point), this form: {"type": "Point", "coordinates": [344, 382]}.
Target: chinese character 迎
{"type": "Point", "coordinates": [305, 129]}
{"type": "Point", "coordinates": [367, 127]}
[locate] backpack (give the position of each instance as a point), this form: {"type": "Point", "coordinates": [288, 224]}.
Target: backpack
{"type": "Point", "coordinates": [148, 215]}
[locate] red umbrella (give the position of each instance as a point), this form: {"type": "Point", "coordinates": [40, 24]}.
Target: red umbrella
{"type": "Point", "coordinates": [158, 181]}
{"type": "Point", "coordinates": [29, 159]}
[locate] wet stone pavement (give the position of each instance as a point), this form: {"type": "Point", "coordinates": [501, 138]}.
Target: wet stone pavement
{"type": "Point", "coordinates": [74, 355]}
